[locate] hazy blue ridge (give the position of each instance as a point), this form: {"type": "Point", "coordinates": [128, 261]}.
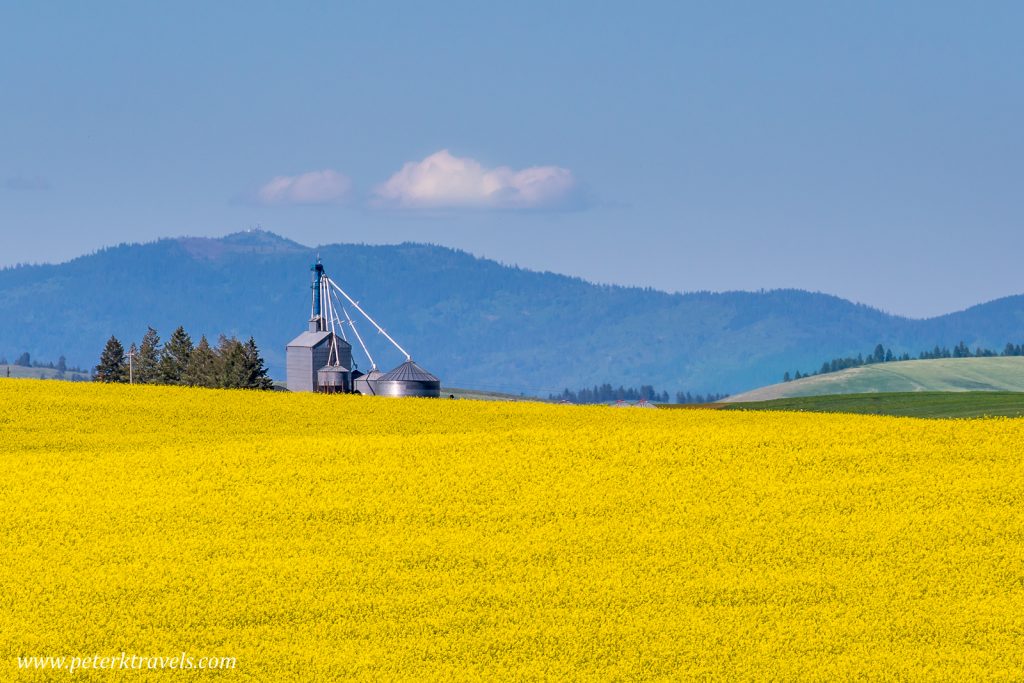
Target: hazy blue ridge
{"type": "Point", "coordinates": [474, 322]}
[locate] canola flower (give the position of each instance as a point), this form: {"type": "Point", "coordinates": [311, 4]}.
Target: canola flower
{"type": "Point", "coordinates": [334, 537]}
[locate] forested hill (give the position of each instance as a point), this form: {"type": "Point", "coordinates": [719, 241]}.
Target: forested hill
{"type": "Point", "coordinates": [474, 322]}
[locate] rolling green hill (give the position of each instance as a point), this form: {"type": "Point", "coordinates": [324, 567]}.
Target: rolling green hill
{"type": "Point", "coordinates": [929, 404]}
{"type": "Point", "coordinates": [942, 375]}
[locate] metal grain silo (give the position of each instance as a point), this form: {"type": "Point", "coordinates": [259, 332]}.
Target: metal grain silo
{"type": "Point", "coordinates": [320, 360]}
{"type": "Point", "coordinates": [334, 379]}
{"type": "Point", "coordinates": [366, 384]}
{"type": "Point", "coordinates": [409, 379]}
{"type": "Point", "coordinates": [305, 355]}
{"type": "Point", "coordinates": [318, 355]}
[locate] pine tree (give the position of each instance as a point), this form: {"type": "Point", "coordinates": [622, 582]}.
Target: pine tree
{"type": "Point", "coordinates": [879, 355]}
{"type": "Point", "coordinates": [256, 370]}
{"type": "Point", "coordinates": [112, 366]}
{"type": "Point", "coordinates": [202, 366]}
{"type": "Point", "coordinates": [175, 356]}
{"type": "Point", "coordinates": [147, 360]}
{"type": "Point", "coordinates": [232, 364]}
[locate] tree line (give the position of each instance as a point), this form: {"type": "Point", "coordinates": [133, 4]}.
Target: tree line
{"type": "Point", "coordinates": [232, 364]}
{"type": "Point", "coordinates": [687, 398]}
{"type": "Point", "coordinates": [605, 393]}
{"type": "Point", "coordinates": [25, 360]}
{"type": "Point", "coordinates": [882, 354]}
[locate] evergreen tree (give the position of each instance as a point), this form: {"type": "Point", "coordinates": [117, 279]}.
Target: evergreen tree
{"type": "Point", "coordinates": [147, 359]}
{"type": "Point", "coordinates": [24, 360]}
{"type": "Point", "coordinates": [879, 355]}
{"type": "Point", "coordinates": [256, 370]}
{"type": "Point", "coordinates": [232, 364]}
{"type": "Point", "coordinates": [786, 377]}
{"type": "Point", "coordinates": [202, 366]}
{"type": "Point", "coordinates": [112, 366]}
{"type": "Point", "coordinates": [62, 364]}
{"type": "Point", "coordinates": [175, 356]}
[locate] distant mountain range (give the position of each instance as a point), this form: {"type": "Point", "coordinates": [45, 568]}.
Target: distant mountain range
{"type": "Point", "coordinates": [474, 322]}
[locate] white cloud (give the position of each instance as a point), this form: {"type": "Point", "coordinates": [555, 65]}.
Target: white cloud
{"type": "Point", "coordinates": [446, 181]}
{"type": "Point", "coordinates": [315, 187]}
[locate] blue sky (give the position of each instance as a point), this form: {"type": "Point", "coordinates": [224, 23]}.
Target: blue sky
{"type": "Point", "coordinates": [870, 150]}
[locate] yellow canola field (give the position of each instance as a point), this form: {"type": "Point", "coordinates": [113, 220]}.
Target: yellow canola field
{"type": "Point", "coordinates": [333, 537]}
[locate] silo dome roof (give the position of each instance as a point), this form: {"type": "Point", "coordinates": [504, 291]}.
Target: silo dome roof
{"type": "Point", "coordinates": [408, 372]}
{"type": "Point", "coordinates": [333, 368]}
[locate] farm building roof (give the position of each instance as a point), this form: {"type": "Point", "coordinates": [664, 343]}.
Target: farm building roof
{"type": "Point", "coordinates": [310, 340]}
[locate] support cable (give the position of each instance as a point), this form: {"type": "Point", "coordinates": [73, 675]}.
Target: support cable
{"type": "Point", "coordinates": [373, 365]}
{"type": "Point", "coordinates": [372, 321]}
{"type": "Point", "coordinates": [334, 357]}
{"type": "Point", "coordinates": [352, 324]}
